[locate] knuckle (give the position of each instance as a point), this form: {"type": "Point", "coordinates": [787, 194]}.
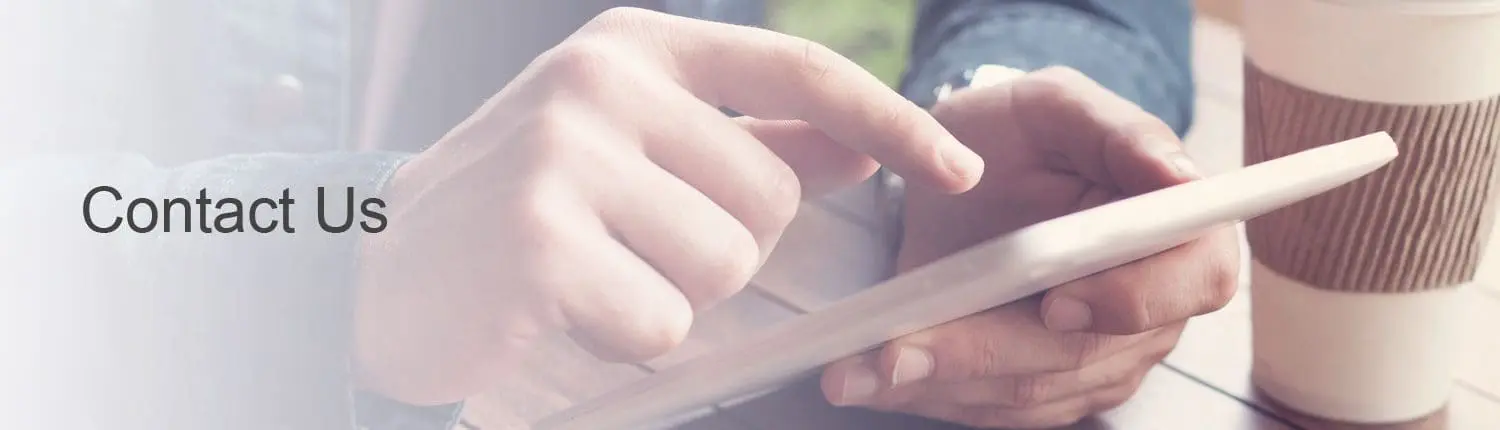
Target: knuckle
{"type": "Point", "coordinates": [540, 248]}
{"type": "Point", "coordinates": [907, 124]}
{"type": "Point", "coordinates": [628, 24]}
{"type": "Point", "coordinates": [969, 359]}
{"type": "Point", "coordinates": [1223, 279]}
{"type": "Point", "coordinates": [1158, 355]}
{"type": "Point", "coordinates": [811, 62]}
{"type": "Point", "coordinates": [540, 222]}
{"type": "Point", "coordinates": [720, 270]}
{"type": "Point", "coordinates": [674, 330]}
{"type": "Point", "coordinates": [987, 363]}
{"type": "Point", "coordinates": [900, 118]}
{"type": "Point", "coordinates": [1119, 393]}
{"type": "Point", "coordinates": [783, 198]}
{"type": "Point", "coordinates": [1083, 349]}
{"type": "Point", "coordinates": [956, 356]}
{"type": "Point", "coordinates": [619, 15]}
{"type": "Point", "coordinates": [550, 139]}
{"type": "Point", "coordinates": [1223, 290]}
{"type": "Point", "coordinates": [534, 209]}
{"type": "Point", "coordinates": [1135, 315]}
{"type": "Point", "coordinates": [734, 268]}
{"type": "Point", "coordinates": [1027, 391]}
{"type": "Point", "coordinates": [1112, 400]}
{"type": "Point", "coordinates": [582, 61]}
{"type": "Point", "coordinates": [1130, 302]}
{"type": "Point", "coordinates": [547, 128]}
{"type": "Point", "coordinates": [660, 332]}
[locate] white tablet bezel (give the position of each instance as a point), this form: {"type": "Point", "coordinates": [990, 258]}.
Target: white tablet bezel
{"type": "Point", "coordinates": [991, 274]}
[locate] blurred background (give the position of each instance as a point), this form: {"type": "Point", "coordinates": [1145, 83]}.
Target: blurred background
{"type": "Point", "coordinates": [875, 33]}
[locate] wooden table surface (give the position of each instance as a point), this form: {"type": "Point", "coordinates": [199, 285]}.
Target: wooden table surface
{"type": "Point", "coordinates": [837, 247]}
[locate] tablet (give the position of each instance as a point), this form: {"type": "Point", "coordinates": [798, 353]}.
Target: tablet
{"type": "Point", "coordinates": [999, 271]}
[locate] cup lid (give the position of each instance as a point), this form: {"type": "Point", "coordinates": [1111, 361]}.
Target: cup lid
{"type": "Point", "coordinates": [1428, 7]}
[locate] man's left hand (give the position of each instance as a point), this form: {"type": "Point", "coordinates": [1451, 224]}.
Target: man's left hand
{"type": "Point", "coordinates": [1055, 142]}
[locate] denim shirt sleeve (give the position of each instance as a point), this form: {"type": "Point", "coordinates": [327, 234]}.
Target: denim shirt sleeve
{"type": "Point", "coordinates": [1139, 49]}
{"type": "Point", "coordinates": [178, 330]}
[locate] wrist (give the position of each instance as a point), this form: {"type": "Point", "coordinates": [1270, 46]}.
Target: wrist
{"type": "Point", "coordinates": [374, 408]}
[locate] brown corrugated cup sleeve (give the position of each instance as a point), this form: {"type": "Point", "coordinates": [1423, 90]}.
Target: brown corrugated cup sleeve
{"type": "Point", "coordinates": [1417, 224]}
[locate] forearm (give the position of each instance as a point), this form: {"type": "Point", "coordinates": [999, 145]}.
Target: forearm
{"type": "Point", "coordinates": [1139, 50]}
{"type": "Point", "coordinates": [230, 328]}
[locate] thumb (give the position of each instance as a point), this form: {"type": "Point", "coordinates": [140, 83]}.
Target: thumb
{"type": "Point", "coordinates": [1145, 162]}
{"type": "Point", "coordinates": [821, 163]}
{"type": "Point", "coordinates": [1098, 134]}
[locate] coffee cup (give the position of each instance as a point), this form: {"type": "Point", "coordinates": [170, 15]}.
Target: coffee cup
{"type": "Point", "coordinates": [1354, 292]}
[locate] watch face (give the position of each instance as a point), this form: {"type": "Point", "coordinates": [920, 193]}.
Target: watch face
{"type": "Point", "coordinates": [942, 92]}
{"type": "Point", "coordinates": [990, 75]}
{"type": "Point", "coordinates": [980, 77]}
{"type": "Point", "coordinates": [890, 192]}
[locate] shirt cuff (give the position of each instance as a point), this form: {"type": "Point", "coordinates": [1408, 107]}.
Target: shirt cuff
{"type": "Point", "coordinates": [375, 412]}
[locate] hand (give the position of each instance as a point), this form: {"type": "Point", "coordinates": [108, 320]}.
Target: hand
{"type": "Point", "coordinates": [1055, 142]}
{"type": "Point", "coordinates": [604, 194]}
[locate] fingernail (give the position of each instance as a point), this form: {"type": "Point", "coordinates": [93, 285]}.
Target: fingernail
{"type": "Point", "coordinates": [912, 364]}
{"type": "Point", "coordinates": [963, 162]}
{"type": "Point", "coordinates": [1184, 165]}
{"type": "Point", "coordinates": [859, 384]}
{"type": "Point", "coordinates": [1172, 154]}
{"type": "Point", "coordinates": [1067, 315]}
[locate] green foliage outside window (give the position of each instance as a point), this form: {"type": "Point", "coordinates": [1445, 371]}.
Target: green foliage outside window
{"type": "Point", "coordinates": [874, 33]}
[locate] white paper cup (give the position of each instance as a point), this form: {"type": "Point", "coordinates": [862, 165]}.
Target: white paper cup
{"type": "Point", "coordinates": [1364, 358]}
{"type": "Point", "coordinates": [1338, 352]}
{"type": "Point", "coordinates": [1387, 51]}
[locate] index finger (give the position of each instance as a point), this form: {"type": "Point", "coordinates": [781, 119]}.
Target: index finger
{"type": "Point", "coordinates": [769, 75]}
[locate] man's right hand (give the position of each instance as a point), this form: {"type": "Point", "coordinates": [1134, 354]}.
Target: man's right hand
{"type": "Point", "coordinates": [603, 193]}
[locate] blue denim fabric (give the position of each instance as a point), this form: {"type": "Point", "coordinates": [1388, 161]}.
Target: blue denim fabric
{"type": "Point", "coordinates": [241, 49]}
{"type": "Point", "coordinates": [1139, 49]}
{"type": "Point", "coordinates": [240, 76]}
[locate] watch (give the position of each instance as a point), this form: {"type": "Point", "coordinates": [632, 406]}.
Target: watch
{"type": "Point", "coordinates": [979, 77]}
{"type": "Point", "coordinates": [890, 187]}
